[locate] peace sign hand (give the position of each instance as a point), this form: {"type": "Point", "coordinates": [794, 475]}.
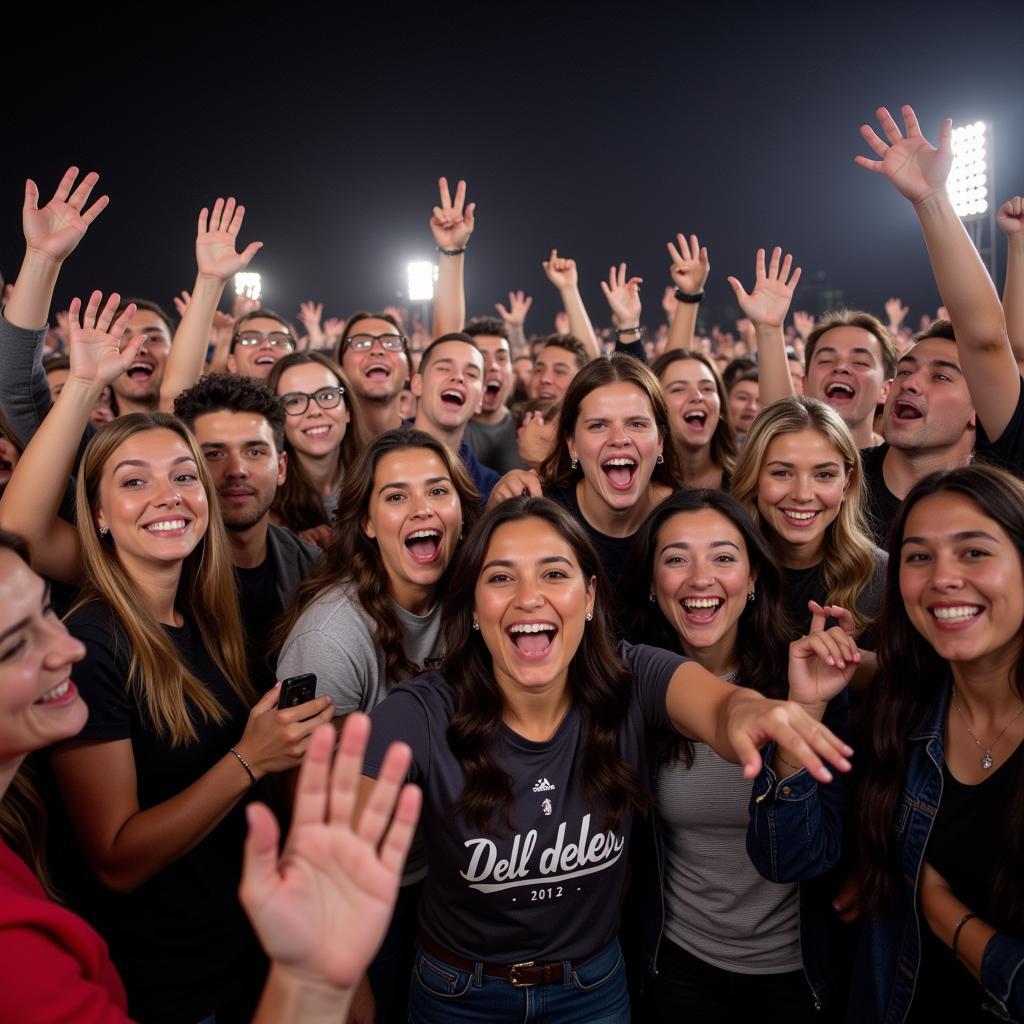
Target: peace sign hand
{"type": "Point", "coordinates": [912, 164]}
{"type": "Point", "coordinates": [95, 349]}
{"type": "Point", "coordinates": [453, 221]}
{"type": "Point", "coordinates": [56, 229]}
{"type": "Point", "coordinates": [216, 239]}
{"type": "Point", "coordinates": [822, 663]}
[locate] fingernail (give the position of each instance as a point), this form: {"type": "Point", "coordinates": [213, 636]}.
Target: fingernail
{"type": "Point", "coordinates": [826, 775]}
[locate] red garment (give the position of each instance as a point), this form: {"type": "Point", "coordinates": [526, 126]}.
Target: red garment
{"type": "Point", "coordinates": [53, 966]}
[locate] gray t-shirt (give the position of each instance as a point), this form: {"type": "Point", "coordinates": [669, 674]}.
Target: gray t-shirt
{"type": "Point", "coordinates": [717, 906]}
{"type": "Point", "coordinates": [494, 444]}
{"type": "Point", "coordinates": [552, 888]}
{"type": "Point", "coordinates": [336, 638]}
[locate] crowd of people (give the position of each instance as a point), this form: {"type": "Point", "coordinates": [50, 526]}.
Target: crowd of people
{"type": "Point", "coordinates": [599, 675]}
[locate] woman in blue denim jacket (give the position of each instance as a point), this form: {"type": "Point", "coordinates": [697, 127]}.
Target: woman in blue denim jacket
{"type": "Point", "coordinates": [722, 943]}
{"type": "Point", "coordinates": [941, 806]}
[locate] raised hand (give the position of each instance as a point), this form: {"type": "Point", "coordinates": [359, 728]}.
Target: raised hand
{"type": "Point", "coordinates": [896, 312]}
{"type": "Point", "coordinates": [181, 301]}
{"type": "Point", "coordinates": [623, 295]}
{"type": "Point", "coordinates": [452, 222]}
{"type": "Point", "coordinates": [912, 164]}
{"type": "Point", "coordinates": [310, 313]}
{"type": "Point", "coordinates": [518, 306]}
{"type": "Point", "coordinates": [562, 325]}
{"type": "Point", "coordinates": [321, 909]}
{"type": "Point", "coordinates": [334, 327]}
{"type": "Point", "coordinates": [822, 663]}
{"type": "Point", "coordinates": [1010, 217]}
{"type": "Point", "coordinates": [669, 302]}
{"type": "Point", "coordinates": [690, 266]}
{"type": "Point", "coordinates": [97, 356]}
{"type": "Point", "coordinates": [561, 272]}
{"type": "Point", "coordinates": [56, 229]}
{"type": "Point", "coordinates": [804, 323]}
{"type": "Point", "coordinates": [768, 304]}
{"type": "Point", "coordinates": [216, 239]}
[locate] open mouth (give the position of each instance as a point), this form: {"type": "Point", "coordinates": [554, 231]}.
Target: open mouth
{"type": "Point", "coordinates": [166, 527]}
{"type": "Point", "coordinates": [265, 360]}
{"type": "Point", "coordinates": [63, 693]}
{"type": "Point", "coordinates": [956, 614]}
{"type": "Point", "coordinates": [377, 372]}
{"type": "Point", "coordinates": [424, 545]}
{"type": "Point", "coordinates": [491, 388]}
{"type": "Point", "coordinates": [906, 411]}
{"type": "Point", "coordinates": [695, 420]}
{"type": "Point", "coordinates": [620, 472]}
{"type": "Point", "coordinates": [838, 390]}
{"type": "Point", "coordinates": [455, 399]}
{"type": "Point", "coordinates": [315, 433]}
{"type": "Point", "coordinates": [140, 371]}
{"type": "Point", "coordinates": [702, 609]}
{"type": "Point", "coordinates": [532, 639]}
{"type": "Point", "coordinates": [800, 517]}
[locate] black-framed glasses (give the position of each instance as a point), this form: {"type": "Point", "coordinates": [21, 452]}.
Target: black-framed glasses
{"type": "Point", "coordinates": [275, 339]}
{"type": "Point", "coordinates": [297, 402]}
{"type": "Point", "coordinates": [364, 342]}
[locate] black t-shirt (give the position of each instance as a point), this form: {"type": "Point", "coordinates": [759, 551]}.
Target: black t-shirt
{"type": "Point", "coordinates": [180, 941]}
{"type": "Point", "coordinates": [966, 841]}
{"type": "Point", "coordinates": [552, 889]}
{"type": "Point", "coordinates": [260, 607]}
{"type": "Point", "coordinates": [882, 504]}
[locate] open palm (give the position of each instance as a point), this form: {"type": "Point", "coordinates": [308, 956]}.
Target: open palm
{"type": "Point", "coordinates": [217, 237]}
{"type": "Point", "coordinates": [57, 228]}
{"type": "Point", "coordinates": [95, 350]}
{"type": "Point", "coordinates": [768, 304]}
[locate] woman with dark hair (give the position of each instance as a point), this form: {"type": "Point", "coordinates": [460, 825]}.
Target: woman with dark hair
{"type": "Point", "coordinates": [319, 911]}
{"type": "Point", "coordinates": [698, 410]}
{"type": "Point", "coordinates": [611, 464]}
{"type": "Point", "coordinates": [724, 944]}
{"type": "Point", "coordinates": [941, 805]}
{"type": "Point", "coordinates": [531, 745]}
{"type": "Point", "coordinates": [10, 450]}
{"type": "Point", "coordinates": [372, 615]}
{"type": "Point", "coordinates": [320, 434]}
{"type": "Point", "coordinates": [157, 781]}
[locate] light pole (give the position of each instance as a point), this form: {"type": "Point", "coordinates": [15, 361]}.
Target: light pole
{"type": "Point", "coordinates": [971, 185]}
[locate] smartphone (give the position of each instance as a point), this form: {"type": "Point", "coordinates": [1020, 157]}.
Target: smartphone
{"type": "Point", "coordinates": [297, 690]}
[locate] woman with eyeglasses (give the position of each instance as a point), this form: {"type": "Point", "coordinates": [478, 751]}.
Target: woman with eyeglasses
{"type": "Point", "coordinates": [319, 437]}
{"type": "Point", "coordinates": [262, 339]}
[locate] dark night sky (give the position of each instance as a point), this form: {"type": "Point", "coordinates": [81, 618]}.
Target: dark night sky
{"type": "Point", "coordinates": [600, 129]}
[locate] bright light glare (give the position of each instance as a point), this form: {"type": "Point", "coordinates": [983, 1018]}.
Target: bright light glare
{"type": "Point", "coordinates": [968, 182]}
{"type": "Point", "coordinates": [422, 275]}
{"type": "Point", "coordinates": [247, 283]}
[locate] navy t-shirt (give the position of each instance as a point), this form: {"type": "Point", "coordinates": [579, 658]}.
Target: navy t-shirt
{"type": "Point", "coordinates": [552, 888]}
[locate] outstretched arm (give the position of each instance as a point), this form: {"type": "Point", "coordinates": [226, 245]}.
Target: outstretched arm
{"type": "Point", "coordinates": [562, 273]}
{"type": "Point", "coordinates": [766, 307]}
{"type": "Point", "coordinates": [218, 263]}
{"type": "Point", "coordinates": [1011, 219]}
{"type": "Point", "coordinates": [32, 497]}
{"type": "Point", "coordinates": [689, 270]}
{"type": "Point", "coordinates": [452, 227]}
{"type": "Point", "coordinates": [919, 171]}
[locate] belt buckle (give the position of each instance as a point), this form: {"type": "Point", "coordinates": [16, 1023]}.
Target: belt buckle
{"type": "Point", "coordinates": [513, 978]}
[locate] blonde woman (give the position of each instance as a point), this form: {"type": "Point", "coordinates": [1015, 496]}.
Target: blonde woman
{"type": "Point", "coordinates": [175, 744]}
{"type": "Point", "coordinates": [799, 475]}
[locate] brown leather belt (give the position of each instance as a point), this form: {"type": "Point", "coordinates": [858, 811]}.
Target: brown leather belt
{"type": "Point", "coordinates": [527, 973]}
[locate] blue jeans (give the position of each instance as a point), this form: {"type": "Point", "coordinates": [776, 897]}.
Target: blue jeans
{"type": "Point", "coordinates": [592, 992]}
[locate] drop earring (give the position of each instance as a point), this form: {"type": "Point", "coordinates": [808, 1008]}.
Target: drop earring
{"type": "Point", "coordinates": [651, 597]}
{"type": "Point", "coordinates": [476, 625]}
{"type": "Point", "coordinates": [575, 464]}
{"type": "Point", "coordinates": [752, 596]}
{"type": "Point", "coordinates": [660, 460]}
{"type": "Point", "coordinates": [590, 616]}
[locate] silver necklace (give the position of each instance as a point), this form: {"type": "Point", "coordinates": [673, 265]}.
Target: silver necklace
{"type": "Point", "coordinates": [986, 752]}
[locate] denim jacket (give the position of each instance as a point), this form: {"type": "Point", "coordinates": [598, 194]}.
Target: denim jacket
{"type": "Point", "coordinates": [793, 836]}
{"type": "Point", "coordinates": [817, 923]}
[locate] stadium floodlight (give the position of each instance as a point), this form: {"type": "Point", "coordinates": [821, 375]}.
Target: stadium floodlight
{"type": "Point", "coordinates": [248, 284]}
{"type": "Point", "coordinates": [422, 275]}
{"type": "Point", "coordinates": [968, 180]}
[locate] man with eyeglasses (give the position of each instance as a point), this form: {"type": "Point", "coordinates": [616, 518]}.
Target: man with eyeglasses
{"type": "Point", "coordinates": [374, 354]}
{"type": "Point", "coordinates": [240, 427]}
{"type": "Point", "coordinates": [261, 338]}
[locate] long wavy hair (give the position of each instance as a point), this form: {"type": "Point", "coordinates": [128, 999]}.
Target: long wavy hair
{"type": "Point", "coordinates": [723, 440]}
{"type": "Point", "coordinates": [298, 504]}
{"type": "Point", "coordinates": [351, 557]}
{"type": "Point", "coordinates": [764, 631]}
{"type": "Point", "coordinates": [848, 557]}
{"type": "Point", "coordinates": [599, 683]}
{"type": "Point", "coordinates": [22, 811]}
{"type": "Point", "coordinates": [557, 469]}
{"type": "Point", "coordinates": [166, 689]}
{"type": "Point", "coordinates": [909, 683]}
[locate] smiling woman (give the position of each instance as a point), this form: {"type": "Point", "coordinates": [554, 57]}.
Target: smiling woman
{"type": "Point", "coordinates": [531, 745]}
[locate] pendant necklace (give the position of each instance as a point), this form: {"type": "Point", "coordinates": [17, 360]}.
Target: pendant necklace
{"type": "Point", "coordinates": [986, 752]}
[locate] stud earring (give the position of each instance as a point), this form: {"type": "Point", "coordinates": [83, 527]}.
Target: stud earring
{"type": "Point", "coordinates": [660, 460]}
{"type": "Point", "coordinates": [590, 616]}
{"type": "Point", "coordinates": [476, 625]}
{"type": "Point", "coordinates": [575, 464]}
{"type": "Point", "coordinates": [651, 597]}
{"type": "Point", "coordinates": [104, 531]}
